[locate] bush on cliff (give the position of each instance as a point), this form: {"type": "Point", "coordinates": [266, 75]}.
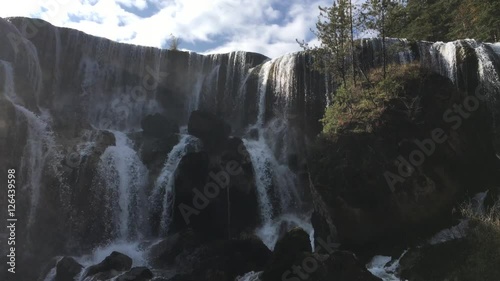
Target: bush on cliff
{"type": "Point", "coordinates": [373, 130]}
{"type": "Point", "coordinates": [358, 108]}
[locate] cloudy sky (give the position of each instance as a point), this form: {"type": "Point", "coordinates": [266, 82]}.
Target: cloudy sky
{"type": "Point", "coordinates": [269, 27]}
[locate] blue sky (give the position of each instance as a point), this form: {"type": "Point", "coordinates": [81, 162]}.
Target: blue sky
{"type": "Point", "coordinates": [269, 27]}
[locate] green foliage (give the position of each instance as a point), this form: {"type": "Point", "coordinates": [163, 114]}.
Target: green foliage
{"type": "Point", "coordinates": [445, 20]}
{"type": "Point", "coordinates": [334, 30]}
{"type": "Point", "coordinates": [484, 237]}
{"type": "Point", "coordinates": [357, 108]}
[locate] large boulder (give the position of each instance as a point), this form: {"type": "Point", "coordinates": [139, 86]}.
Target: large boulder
{"type": "Point", "coordinates": [292, 248]}
{"type": "Point", "coordinates": [434, 262]}
{"type": "Point", "coordinates": [223, 260]}
{"type": "Point", "coordinates": [212, 130]}
{"type": "Point", "coordinates": [67, 268]}
{"type": "Point", "coordinates": [115, 262]}
{"type": "Point", "coordinates": [294, 260]}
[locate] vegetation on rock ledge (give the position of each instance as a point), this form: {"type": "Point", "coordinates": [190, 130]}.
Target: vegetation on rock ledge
{"type": "Point", "coordinates": [358, 108]}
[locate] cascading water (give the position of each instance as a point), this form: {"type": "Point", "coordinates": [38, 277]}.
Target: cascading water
{"type": "Point", "coordinates": [195, 70]}
{"type": "Point", "coordinates": [490, 78]}
{"type": "Point", "coordinates": [444, 59]}
{"type": "Point", "coordinates": [40, 145]}
{"type": "Point", "coordinates": [165, 181]}
{"type": "Point", "coordinates": [126, 177]}
{"type": "Point", "coordinates": [271, 173]}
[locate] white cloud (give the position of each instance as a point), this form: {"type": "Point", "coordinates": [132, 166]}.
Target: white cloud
{"type": "Point", "coordinates": [265, 26]}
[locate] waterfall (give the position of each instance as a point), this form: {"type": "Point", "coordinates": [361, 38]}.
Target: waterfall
{"type": "Point", "coordinates": [165, 181]}
{"type": "Point", "coordinates": [126, 177]}
{"type": "Point", "coordinates": [40, 143]}
{"type": "Point", "coordinates": [259, 154]}
{"type": "Point", "coordinates": [284, 83]}
{"type": "Point", "coordinates": [489, 76]}
{"type": "Point", "coordinates": [444, 59]}
{"type": "Point", "coordinates": [276, 183]}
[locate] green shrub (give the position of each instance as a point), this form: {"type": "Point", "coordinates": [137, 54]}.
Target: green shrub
{"type": "Point", "coordinates": [357, 108]}
{"type": "Point", "coordinates": [483, 262]}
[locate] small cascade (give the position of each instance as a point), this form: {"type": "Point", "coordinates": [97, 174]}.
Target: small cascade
{"type": "Point", "coordinates": [234, 91]}
{"type": "Point", "coordinates": [26, 54]}
{"type": "Point", "coordinates": [284, 84]}
{"type": "Point", "coordinates": [495, 47]}
{"type": "Point", "coordinates": [40, 145]}
{"type": "Point", "coordinates": [260, 154]}
{"type": "Point", "coordinates": [164, 184]}
{"type": "Point", "coordinates": [385, 267]}
{"type": "Point", "coordinates": [262, 89]}
{"type": "Point", "coordinates": [271, 232]}
{"type": "Point", "coordinates": [404, 52]}
{"type": "Point", "coordinates": [444, 59]}
{"type": "Point", "coordinates": [132, 249]}
{"type": "Point", "coordinates": [490, 78]}
{"type": "Point", "coordinates": [126, 177]}
{"type": "Point", "coordinates": [397, 51]}
{"type": "Point", "coordinates": [196, 65]}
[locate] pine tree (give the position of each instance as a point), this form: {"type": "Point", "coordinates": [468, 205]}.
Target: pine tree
{"type": "Point", "coordinates": [373, 17]}
{"type": "Point", "coordinates": [335, 31]}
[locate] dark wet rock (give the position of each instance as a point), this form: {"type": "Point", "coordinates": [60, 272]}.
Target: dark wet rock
{"type": "Point", "coordinates": [158, 126]}
{"type": "Point", "coordinates": [293, 247]}
{"type": "Point", "coordinates": [154, 151]}
{"type": "Point", "coordinates": [343, 266]}
{"type": "Point", "coordinates": [136, 274]}
{"type": "Point", "coordinates": [213, 185]}
{"type": "Point", "coordinates": [293, 258]}
{"type": "Point", "coordinates": [67, 268]}
{"type": "Point", "coordinates": [113, 263]}
{"type": "Point", "coordinates": [165, 252]}
{"type": "Point", "coordinates": [224, 260]}
{"type": "Point", "coordinates": [434, 262]}
{"type": "Point", "coordinates": [212, 130]}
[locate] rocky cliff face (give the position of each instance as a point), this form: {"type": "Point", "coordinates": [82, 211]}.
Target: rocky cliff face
{"type": "Point", "coordinates": [78, 116]}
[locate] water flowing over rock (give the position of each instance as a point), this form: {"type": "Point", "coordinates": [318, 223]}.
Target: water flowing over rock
{"type": "Point", "coordinates": [97, 132]}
